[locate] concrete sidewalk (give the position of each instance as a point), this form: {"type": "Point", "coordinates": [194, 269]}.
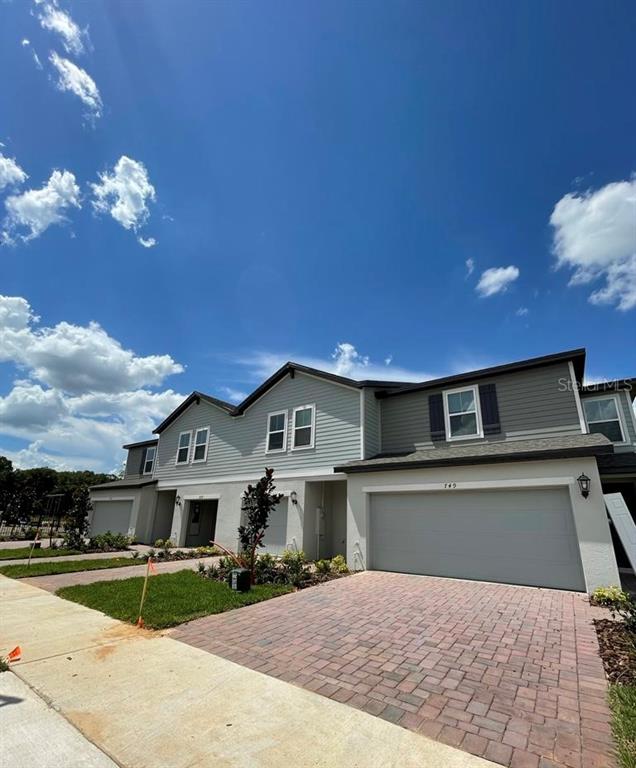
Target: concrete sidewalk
{"type": "Point", "coordinates": [148, 700]}
{"type": "Point", "coordinates": [89, 556]}
{"type": "Point", "coordinates": [35, 734]}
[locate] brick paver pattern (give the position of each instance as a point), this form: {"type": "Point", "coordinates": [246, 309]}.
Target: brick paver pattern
{"type": "Point", "coordinates": [508, 673]}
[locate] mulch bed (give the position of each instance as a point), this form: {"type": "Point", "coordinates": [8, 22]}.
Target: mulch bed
{"type": "Point", "coordinates": [618, 651]}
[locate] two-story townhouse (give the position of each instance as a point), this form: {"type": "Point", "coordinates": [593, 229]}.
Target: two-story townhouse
{"type": "Point", "coordinates": [482, 475]}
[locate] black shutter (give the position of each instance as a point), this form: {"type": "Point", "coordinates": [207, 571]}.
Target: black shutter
{"type": "Point", "coordinates": [436, 415]}
{"type": "Point", "coordinates": [489, 409]}
{"type": "Point", "coordinates": [143, 460]}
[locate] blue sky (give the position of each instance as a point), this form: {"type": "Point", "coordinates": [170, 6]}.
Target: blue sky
{"type": "Point", "coordinates": [433, 186]}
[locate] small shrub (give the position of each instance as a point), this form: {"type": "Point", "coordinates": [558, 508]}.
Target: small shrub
{"type": "Point", "coordinates": [201, 569]}
{"type": "Point", "coordinates": [135, 554]}
{"type": "Point", "coordinates": [266, 570]}
{"type": "Point", "coordinates": [4, 664]}
{"type": "Point", "coordinates": [609, 597]}
{"type": "Point", "coordinates": [159, 543]}
{"type": "Point", "coordinates": [339, 564]}
{"type": "Point", "coordinates": [168, 544]}
{"type": "Point", "coordinates": [294, 567]}
{"type": "Point", "coordinates": [323, 567]}
{"type": "Point", "coordinates": [73, 539]}
{"type": "Point", "coordinates": [150, 553]}
{"type": "Point", "coordinates": [109, 542]}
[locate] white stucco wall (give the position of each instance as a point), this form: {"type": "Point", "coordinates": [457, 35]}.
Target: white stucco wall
{"type": "Point", "coordinates": [590, 518]}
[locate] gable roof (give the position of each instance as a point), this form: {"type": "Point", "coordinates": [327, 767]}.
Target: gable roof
{"type": "Point", "coordinates": [141, 444]}
{"type": "Point", "coordinates": [577, 356]}
{"type": "Point", "coordinates": [616, 385]}
{"type": "Point", "coordinates": [289, 369]}
{"type": "Point", "coordinates": [386, 388]}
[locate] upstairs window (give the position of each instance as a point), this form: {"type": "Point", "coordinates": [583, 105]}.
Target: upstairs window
{"type": "Point", "coordinates": [149, 460]}
{"type": "Point", "coordinates": [462, 414]}
{"type": "Point", "coordinates": [276, 432]}
{"type": "Point", "coordinates": [183, 448]}
{"type": "Point", "coordinates": [304, 427]}
{"type": "Point", "coordinates": [200, 445]}
{"type": "Point", "coordinates": [603, 417]}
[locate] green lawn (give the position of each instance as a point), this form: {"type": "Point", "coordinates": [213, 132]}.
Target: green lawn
{"type": "Point", "coordinates": [622, 700]}
{"type": "Point", "coordinates": [172, 597]}
{"type": "Point", "coordinates": [66, 566]}
{"type": "Point", "coordinates": [17, 552]}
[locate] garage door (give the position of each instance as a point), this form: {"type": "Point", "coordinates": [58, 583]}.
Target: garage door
{"type": "Point", "coordinates": [111, 516]}
{"type": "Point", "coordinates": [516, 537]}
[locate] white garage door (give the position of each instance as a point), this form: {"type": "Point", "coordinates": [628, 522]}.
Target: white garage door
{"type": "Point", "coordinates": [111, 516]}
{"type": "Point", "coordinates": [275, 539]}
{"type": "Point", "coordinates": [516, 537]}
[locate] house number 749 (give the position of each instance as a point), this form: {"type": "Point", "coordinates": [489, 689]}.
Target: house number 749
{"type": "Point", "coordinates": [450, 486]}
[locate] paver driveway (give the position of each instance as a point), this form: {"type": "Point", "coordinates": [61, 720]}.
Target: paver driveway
{"type": "Point", "coordinates": [509, 673]}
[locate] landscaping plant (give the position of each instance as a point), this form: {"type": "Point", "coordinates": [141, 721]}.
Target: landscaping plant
{"type": "Point", "coordinates": [76, 521]}
{"type": "Point", "coordinates": [256, 506]}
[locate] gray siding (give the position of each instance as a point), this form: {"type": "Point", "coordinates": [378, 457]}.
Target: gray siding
{"type": "Point", "coordinates": [532, 403]}
{"type": "Point", "coordinates": [237, 444]}
{"type": "Point", "coordinates": [133, 462]}
{"type": "Point", "coordinates": [625, 404]}
{"type": "Point", "coordinates": [371, 424]}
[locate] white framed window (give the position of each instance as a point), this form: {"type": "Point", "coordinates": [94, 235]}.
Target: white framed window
{"type": "Point", "coordinates": [603, 416]}
{"type": "Point", "coordinates": [149, 460]}
{"type": "Point", "coordinates": [276, 441]}
{"type": "Point", "coordinates": [462, 414]}
{"type": "Point", "coordinates": [303, 427]}
{"type": "Point", "coordinates": [183, 448]}
{"type": "Point", "coordinates": [200, 452]}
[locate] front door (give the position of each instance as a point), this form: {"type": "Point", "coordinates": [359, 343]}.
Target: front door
{"type": "Point", "coordinates": [201, 523]}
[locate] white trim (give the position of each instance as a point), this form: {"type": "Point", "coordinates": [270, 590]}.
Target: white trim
{"type": "Point", "coordinates": [362, 412]}
{"type": "Point", "coordinates": [201, 497]}
{"type": "Point", "coordinates": [176, 458]}
{"type": "Point", "coordinates": [324, 474]}
{"type": "Point", "coordinates": [619, 414]}
{"type": "Point", "coordinates": [472, 485]}
{"type": "Point", "coordinates": [312, 426]}
{"type": "Point", "coordinates": [577, 397]}
{"type": "Point", "coordinates": [194, 445]}
{"type": "Point", "coordinates": [154, 458]}
{"type": "Point", "coordinates": [630, 409]}
{"type": "Point", "coordinates": [275, 432]}
{"type": "Point", "coordinates": [477, 412]}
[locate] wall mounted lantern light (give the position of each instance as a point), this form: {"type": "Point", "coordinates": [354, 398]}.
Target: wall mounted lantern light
{"type": "Point", "coordinates": [177, 501]}
{"type": "Point", "coordinates": [294, 497]}
{"type": "Point", "coordinates": [584, 484]}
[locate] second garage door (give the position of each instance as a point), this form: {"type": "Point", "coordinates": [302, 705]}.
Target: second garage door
{"type": "Point", "coordinates": [516, 537]}
{"type": "Point", "coordinates": [111, 516]}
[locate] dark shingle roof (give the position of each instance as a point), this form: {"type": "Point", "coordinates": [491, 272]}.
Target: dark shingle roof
{"type": "Point", "coordinates": [141, 444]}
{"type": "Point", "coordinates": [487, 453]}
{"type": "Point", "coordinates": [623, 463]}
{"type": "Point", "coordinates": [125, 483]}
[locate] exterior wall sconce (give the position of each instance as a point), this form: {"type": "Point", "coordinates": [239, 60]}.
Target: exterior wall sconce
{"type": "Point", "coordinates": [584, 484]}
{"type": "Point", "coordinates": [177, 501]}
{"type": "Point", "coordinates": [294, 497]}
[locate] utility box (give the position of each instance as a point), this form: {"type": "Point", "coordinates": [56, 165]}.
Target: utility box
{"type": "Point", "coordinates": [239, 580]}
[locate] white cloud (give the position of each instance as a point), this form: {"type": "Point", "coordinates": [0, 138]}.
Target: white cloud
{"type": "Point", "coordinates": [496, 280]}
{"type": "Point", "coordinates": [59, 22]}
{"type": "Point", "coordinates": [470, 267]}
{"type": "Point", "coordinates": [82, 395]}
{"type": "Point", "coordinates": [37, 209]}
{"type": "Point", "coordinates": [76, 80]}
{"type": "Point", "coordinates": [344, 361]}
{"type": "Point", "coordinates": [233, 395]}
{"type": "Point", "coordinates": [147, 242]}
{"type": "Point", "coordinates": [595, 235]}
{"type": "Point", "coordinates": [25, 42]}
{"type": "Point", "coordinates": [124, 194]}
{"type": "Point", "coordinates": [73, 358]}
{"type": "Point", "coordinates": [522, 311]}
{"type": "Point", "coordinates": [10, 172]}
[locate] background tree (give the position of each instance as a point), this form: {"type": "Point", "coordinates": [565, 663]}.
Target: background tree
{"type": "Point", "coordinates": [76, 520]}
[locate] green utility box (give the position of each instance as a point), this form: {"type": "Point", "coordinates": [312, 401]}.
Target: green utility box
{"type": "Point", "coordinates": [239, 580]}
